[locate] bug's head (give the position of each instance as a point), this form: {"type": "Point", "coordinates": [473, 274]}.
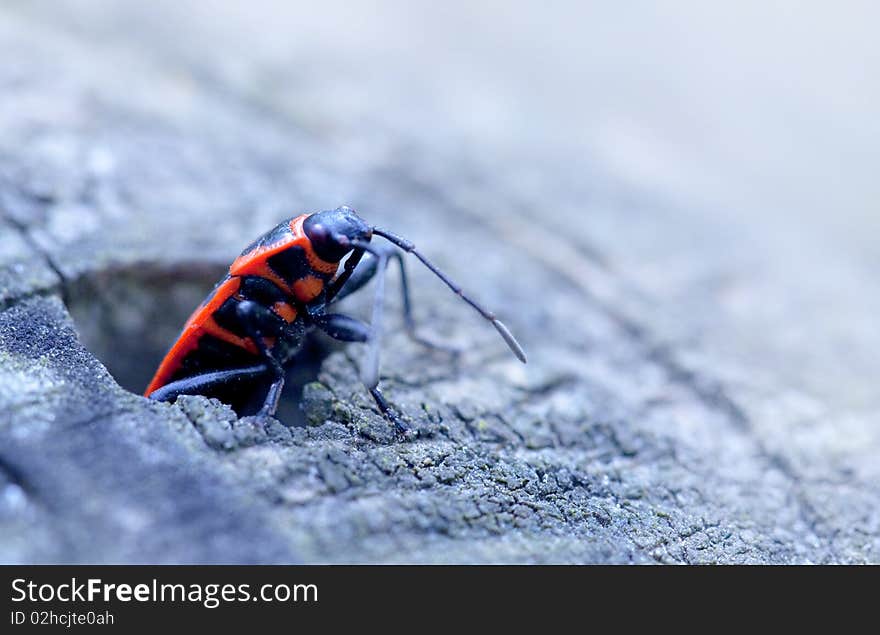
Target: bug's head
{"type": "Point", "coordinates": [332, 232]}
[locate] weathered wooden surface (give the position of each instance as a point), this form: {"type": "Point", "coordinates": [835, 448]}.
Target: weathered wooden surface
{"type": "Point", "coordinates": [701, 386]}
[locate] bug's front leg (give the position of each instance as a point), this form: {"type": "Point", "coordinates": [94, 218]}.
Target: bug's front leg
{"type": "Point", "coordinates": [349, 329]}
{"type": "Point", "coordinates": [342, 327]}
{"type": "Point", "coordinates": [387, 411]}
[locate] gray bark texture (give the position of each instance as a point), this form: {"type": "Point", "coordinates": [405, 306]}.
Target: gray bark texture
{"type": "Point", "coordinates": [701, 385]}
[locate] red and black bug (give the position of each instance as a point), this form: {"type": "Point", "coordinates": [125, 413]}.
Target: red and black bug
{"type": "Point", "coordinates": [238, 343]}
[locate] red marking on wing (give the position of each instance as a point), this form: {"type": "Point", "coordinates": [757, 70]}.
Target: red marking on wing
{"type": "Point", "coordinates": [200, 323]}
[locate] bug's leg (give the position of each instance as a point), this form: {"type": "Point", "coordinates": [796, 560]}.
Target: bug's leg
{"type": "Point", "coordinates": [342, 327]}
{"type": "Point", "coordinates": [270, 403]}
{"type": "Point", "coordinates": [370, 368]}
{"type": "Point", "coordinates": [387, 411]}
{"type": "Point", "coordinates": [348, 329]}
{"type": "Point", "coordinates": [342, 280]}
{"type": "Point", "coordinates": [259, 322]}
{"type": "Point", "coordinates": [197, 384]}
{"type": "Point", "coordinates": [366, 271]}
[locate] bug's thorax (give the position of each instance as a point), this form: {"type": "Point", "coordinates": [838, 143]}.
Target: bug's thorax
{"type": "Point", "coordinates": [286, 257]}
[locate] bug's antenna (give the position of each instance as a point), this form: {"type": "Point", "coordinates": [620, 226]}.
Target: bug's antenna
{"type": "Point", "coordinates": [505, 333]}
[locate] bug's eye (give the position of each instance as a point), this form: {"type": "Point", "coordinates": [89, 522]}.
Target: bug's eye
{"type": "Point", "coordinates": [319, 234]}
{"type": "Point", "coordinates": [329, 246]}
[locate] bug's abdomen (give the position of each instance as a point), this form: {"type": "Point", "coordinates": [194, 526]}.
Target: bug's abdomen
{"type": "Point", "coordinates": [203, 343]}
{"type": "Point", "coordinates": [214, 337]}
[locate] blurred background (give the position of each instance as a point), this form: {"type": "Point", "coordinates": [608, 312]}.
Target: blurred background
{"type": "Point", "coordinates": [766, 106]}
